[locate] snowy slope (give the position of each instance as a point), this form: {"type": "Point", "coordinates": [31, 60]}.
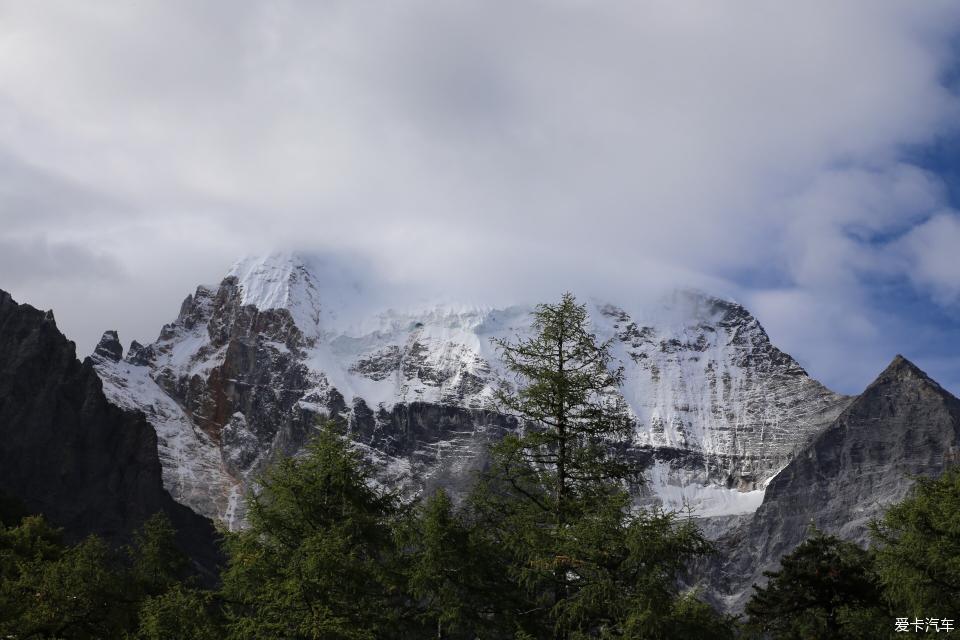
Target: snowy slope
{"type": "Point", "coordinates": [192, 467]}
{"type": "Point", "coordinates": [247, 367]}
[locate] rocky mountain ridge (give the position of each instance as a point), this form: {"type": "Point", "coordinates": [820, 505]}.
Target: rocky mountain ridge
{"type": "Point", "coordinates": [86, 465]}
{"type": "Point", "coordinates": [249, 366]}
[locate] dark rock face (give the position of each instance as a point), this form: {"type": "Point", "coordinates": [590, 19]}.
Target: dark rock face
{"type": "Point", "coordinates": [140, 354]}
{"type": "Point", "coordinates": [109, 346]}
{"type": "Point", "coordinates": [88, 466]}
{"type": "Point", "coordinates": [261, 376]}
{"type": "Point", "coordinates": [410, 430]}
{"type": "Point", "coordinates": [904, 424]}
{"type": "Point", "coordinates": [260, 400]}
{"type": "Point", "coordinates": [436, 445]}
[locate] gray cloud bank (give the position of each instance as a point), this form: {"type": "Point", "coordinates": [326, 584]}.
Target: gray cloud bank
{"type": "Point", "coordinates": [494, 149]}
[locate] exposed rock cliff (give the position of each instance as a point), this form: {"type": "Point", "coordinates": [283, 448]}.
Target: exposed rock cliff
{"type": "Point", "coordinates": [67, 452]}
{"type": "Point", "coordinates": [903, 425]}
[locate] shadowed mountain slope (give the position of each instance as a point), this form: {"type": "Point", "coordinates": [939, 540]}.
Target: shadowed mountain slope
{"type": "Point", "coordinates": [67, 453]}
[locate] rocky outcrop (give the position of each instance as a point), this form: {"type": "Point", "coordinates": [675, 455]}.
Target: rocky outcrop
{"type": "Point", "coordinates": [250, 378]}
{"type": "Point", "coordinates": [903, 425]}
{"type": "Point", "coordinates": [109, 346]}
{"type": "Point", "coordinates": [429, 445]}
{"type": "Point", "coordinates": [87, 465]}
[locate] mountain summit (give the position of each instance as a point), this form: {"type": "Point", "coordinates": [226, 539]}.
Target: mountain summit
{"type": "Point", "coordinates": [248, 367]}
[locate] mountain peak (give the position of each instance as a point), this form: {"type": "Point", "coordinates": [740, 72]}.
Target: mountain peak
{"type": "Point", "coordinates": [900, 365]}
{"type": "Point", "coordinates": [901, 370]}
{"type": "Point", "coordinates": [290, 336]}
{"type": "Point", "coordinates": [266, 281]}
{"type": "Point", "coordinates": [109, 346]}
{"type": "Point", "coordinates": [899, 390]}
{"type": "Point", "coordinates": [86, 465]}
{"type": "Point", "coordinates": [319, 291]}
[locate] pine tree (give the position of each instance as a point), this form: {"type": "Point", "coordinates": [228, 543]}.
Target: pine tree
{"type": "Point", "coordinates": [49, 589]}
{"type": "Point", "coordinates": [25, 546]}
{"type": "Point", "coordinates": [455, 575]}
{"type": "Point", "coordinates": [569, 404]}
{"type": "Point", "coordinates": [918, 547]}
{"type": "Point", "coordinates": [825, 588]}
{"type": "Point", "coordinates": [180, 613]}
{"type": "Point", "coordinates": [644, 601]}
{"type": "Point", "coordinates": [556, 500]}
{"type": "Point", "coordinates": [319, 559]}
{"type": "Point", "coordinates": [561, 465]}
{"type": "Point", "coordinates": [156, 562]}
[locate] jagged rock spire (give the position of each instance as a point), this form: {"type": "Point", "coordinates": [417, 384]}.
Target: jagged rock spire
{"type": "Point", "coordinates": [109, 346]}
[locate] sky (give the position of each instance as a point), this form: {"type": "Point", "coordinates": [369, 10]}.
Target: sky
{"type": "Point", "coordinates": [802, 158]}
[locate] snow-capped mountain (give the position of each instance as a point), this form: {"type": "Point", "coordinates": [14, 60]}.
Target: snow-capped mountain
{"type": "Point", "coordinates": [249, 366]}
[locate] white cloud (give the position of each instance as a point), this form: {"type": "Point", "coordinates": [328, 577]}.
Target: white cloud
{"type": "Point", "coordinates": [486, 147]}
{"type": "Point", "coordinates": [932, 251]}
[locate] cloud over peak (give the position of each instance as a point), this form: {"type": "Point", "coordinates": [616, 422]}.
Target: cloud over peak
{"type": "Point", "coordinates": [504, 148]}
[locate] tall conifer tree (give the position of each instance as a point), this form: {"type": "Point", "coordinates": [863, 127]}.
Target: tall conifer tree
{"type": "Point", "coordinates": [557, 488]}
{"type": "Point", "coordinates": [555, 498]}
{"type": "Point", "coordinates": [319, 558]}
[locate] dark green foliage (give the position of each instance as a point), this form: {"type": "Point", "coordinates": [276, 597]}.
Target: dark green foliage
{"type": "Point", "coordinates": [688, 617]}
{"type": "Point", "coordinates": [568, 401]}
{"type": "Point", "coordinates": [181, 613]}
{"type": "Point", "coordinates": [80, 595]}
{"type": "Point", "coordinates": [456, 576]}
{"type": "Point", "coordinates": [441, 563]}
{"type": "Point", "coordinates": [48, 590]}
{"type": "Point", "coordinates": [555, 488]}
{"type": "Point", "coordinates": [918, 548]}
{"type": "Point", "coordinates": [157, 564]}
{"type": "Point", "coordinates": [85, 591]}
{"type": "Point", "coordinates": [319, 559]}
{"type": "Point", "coordinates": [645, 601]}
{"type": "Point", "coordinates": [825, 588]}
